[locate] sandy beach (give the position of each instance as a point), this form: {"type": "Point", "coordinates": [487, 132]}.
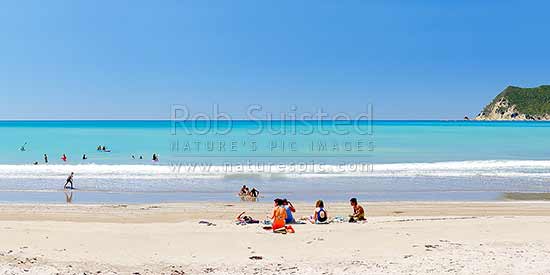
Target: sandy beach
{"type": "Point", "coordinates": [399, 238]}
{"type": "Point", "coordinates": [168, 137]}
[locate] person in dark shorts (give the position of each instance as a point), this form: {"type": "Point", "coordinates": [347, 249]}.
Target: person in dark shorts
{"type": "Point", "coordinates": [69, 180]}
{"type": "Point", "coordinates": [254, 193]}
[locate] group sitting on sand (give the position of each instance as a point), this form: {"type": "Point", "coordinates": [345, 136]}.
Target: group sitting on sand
{"type": "Point", "coordinates": [320, 214]}
{"type": "Point", "coordinates": [282, 215]}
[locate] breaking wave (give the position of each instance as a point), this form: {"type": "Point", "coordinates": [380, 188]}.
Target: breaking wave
{"type": "Point", "coordinates": [486, 168]}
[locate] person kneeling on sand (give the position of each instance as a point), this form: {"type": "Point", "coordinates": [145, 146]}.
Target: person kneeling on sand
{"type": "Point", "coordinates": [278, 216]}
{"type": "Point", "coordinates": [358, 211]}
{"type": "Point", "coordinates": [320, 215]}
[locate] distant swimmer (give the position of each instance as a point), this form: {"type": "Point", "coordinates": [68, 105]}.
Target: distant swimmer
{"type": "Point", "coordinates": [133, 157]}
{"type": "Point", "coordinates": [22, 148]}
{"type": "Point", "coordinates": [155, 157]}
{"type": "Point", "coordinates": [140, 157]}
{"type": "Point", "coordinates": [45, 158]}
{"type": "Point", "coordinates": [64, 157]}
{"type": "Point", "coordinates": [99, 147]}
{"type": "Point", "coordinates": [35, 163]}
{"type": "Point", "coordinates": [84, 156]}
{"type": "Point", "coordinates": [104, 148]}
{"type": "Point", "coordinates": [69, 180]}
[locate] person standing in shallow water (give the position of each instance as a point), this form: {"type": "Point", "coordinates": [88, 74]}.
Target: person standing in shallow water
{"type": "Point", "coordinates": [254, 192]}
{"type": "Point", "coordinates": [69, 180]}
{"type": "Point", "coordinates": [45, 158]}
{"type": "Point", "coordinates": [244, 191]}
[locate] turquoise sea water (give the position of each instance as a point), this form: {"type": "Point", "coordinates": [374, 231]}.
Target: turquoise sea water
{"type": "Point", "coordinates": [304, 160]}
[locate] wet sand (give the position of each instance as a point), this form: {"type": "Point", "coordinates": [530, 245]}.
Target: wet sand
{"type": "Point", "coordinates": [523, 196]}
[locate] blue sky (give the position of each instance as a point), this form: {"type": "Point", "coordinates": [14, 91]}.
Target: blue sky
{"type": "Point", "coordinates": [133, 59]}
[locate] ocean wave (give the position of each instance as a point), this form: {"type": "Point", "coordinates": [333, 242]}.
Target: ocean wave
{"type": "Point", "coordinates": [482, 168]}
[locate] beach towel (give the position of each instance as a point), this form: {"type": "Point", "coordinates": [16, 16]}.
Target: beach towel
{"type": "Point", "coordinates": [283, 230]}
{"type": "Point", "coordinates": [338, 219]}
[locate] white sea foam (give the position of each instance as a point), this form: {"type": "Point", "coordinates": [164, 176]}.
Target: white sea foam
{"type": "Point", "coordinates": [489, 168]}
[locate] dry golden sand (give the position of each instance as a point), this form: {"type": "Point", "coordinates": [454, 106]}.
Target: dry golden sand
{"type": "Point", "coordinates": [399, 238]}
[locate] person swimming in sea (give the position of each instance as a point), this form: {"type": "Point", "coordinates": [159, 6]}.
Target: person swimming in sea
{"type": "Point", "coordinates": [84, 157]}
{"type": "Point", "coordinates": [69, 180]}
{"type": "Point", "coordinates": [155, 158]}
{"type": "Point", "coordinates": [22, 148]}
{"type": "Point", "coordinates": [99, 147]}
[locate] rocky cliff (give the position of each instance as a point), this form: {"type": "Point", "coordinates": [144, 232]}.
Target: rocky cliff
{"type": "Point", "coordinates": [515, 103]}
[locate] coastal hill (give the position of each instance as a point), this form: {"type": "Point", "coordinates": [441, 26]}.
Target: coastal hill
{"type": "Point", "coordinates": [515, 103]}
